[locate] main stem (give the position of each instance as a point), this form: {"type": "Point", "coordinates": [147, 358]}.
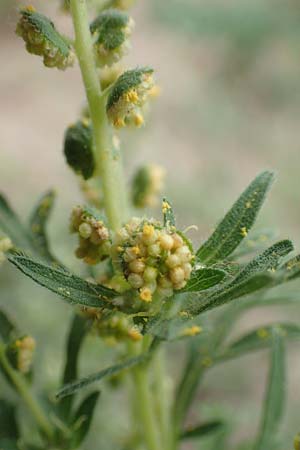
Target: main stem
{"type": "Point", "coordinates": [107, 156]}
{"type": "Point", "coordinates": [21, 386]}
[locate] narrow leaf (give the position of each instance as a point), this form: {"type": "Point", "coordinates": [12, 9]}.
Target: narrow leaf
{"type": "Point", "coordinates": [203, 279]}
{"type": "Point", "coordinates": [237, 222]}
{"type": "Point", "coordinates": [71, 388]}
{"type": "Point", "coordinates": [168, 214]}
{"type": "Point", "coordinates": [10, 224]}
{"type": "Point", "coordinates": [275, 397]}
{"type": "Point", "coordinates": [78, 330]}
{"type": "Point", "coordinates": [258, 339]}
{"type": "Point", "coordinates": [67, 285]}
{"type": "Point", "coordinates": [269, 259]}
{"type": "Point", "coordinates": [38, 222]}
{"type": "Point", "coordinates": [202, 430]}
{"type": "Point", "coordinates": [83, 416]}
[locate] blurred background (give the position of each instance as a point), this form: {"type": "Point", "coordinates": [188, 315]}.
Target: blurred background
{"type": "Point", "coordinates": [230, 105]}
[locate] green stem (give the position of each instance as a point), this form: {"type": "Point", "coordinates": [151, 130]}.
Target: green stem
{"type": "Point", "coordinates": [144, 398]}
{"type": "Point", "coordinates": [21, 386]}
{"type": "Point", "coordinates": [107, 156]}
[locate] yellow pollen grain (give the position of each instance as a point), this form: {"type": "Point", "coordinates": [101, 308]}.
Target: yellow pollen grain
{"type": "Point", "coordinates": [138, 120]}
{"type": "Point", "coordinates": [244, 231]}
{"type": "Point", "coordinates": [148, 230]}
{"type": "Point", "coordinates": [248, 205]}
{"type": "Point", "coordinates": [207, 361]}
{"type": "Point", "coordinates": [192, 331]}
{"type": "Point", "coordinates": [30, 8]}
{"type": "Point", "coordinates": [262, 333]}
{"type": "Point", "coordinates": [135, 335]}
{"type": "Point", "coordinates": [165, 207]}
{"type": "Point", "coordinates": [132, 97]}
{"type": "Point", "coordinates": [136, 250]}
{"type": "Point", "coordinates": [119, 122]}
{"type": "Point", "coordinates": [146, 295]}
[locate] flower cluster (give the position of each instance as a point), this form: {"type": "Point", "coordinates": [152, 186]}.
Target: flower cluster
{"type": "Point", "coordinates": [5, 245]}
{"type": "Point", "coordinates": [154, 259]}
{"type": "Point", "coordinates": [94, 240]}
{"type": "Point", "coordinates": [111, 31]}
{"type": "Point", "coordinates": [147, 184]}
{"type": "Point", "coordinates": [42, 38]}
{"type": "Point", "coordinates": [127, 97]}
{"type": "Point", "coordinates": [21, 353]}
{"type": "Point", "coordinates": [117, 327]}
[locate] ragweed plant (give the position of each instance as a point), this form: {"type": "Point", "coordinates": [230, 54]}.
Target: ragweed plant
{"type": "Point", "coordinates": [148, 285]}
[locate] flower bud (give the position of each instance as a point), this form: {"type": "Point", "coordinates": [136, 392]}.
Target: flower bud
{"type": "Point", "coordinates": [151, 258]}
{"type": "Point", "coordinates": [117, 326]}
{"type": "Point", "coordinates": [111, 31]}
{"type": "Point", "coordinates": [5, 246]}
{"type": "Point", "coordinates": [147, 185]}
{"type": "Point", "coordinates": [128, 96]}
{"type": "Point", "coordinates": [20, 353]}
{"type": "Point", "coordinates": [94, 240]}
{"type": "Point", "coordinates": [78, 149]}
{"type": "Point", "coordinates": [42, 38]}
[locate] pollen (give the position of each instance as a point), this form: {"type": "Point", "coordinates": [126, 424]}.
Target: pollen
{"type": "Point", "coordinates": [30, 8]}
{"type": "Point", "coordinates": [192, 331]}
{"type": "Point", "coordinates": [248, 205]}
{"type": "Point", "coordinates": [244, 231]}
{"type": "Point", "coordinates": [138, 120]}
{"type": "Point", "coordinates": [119, 122]}
{"type": "Point", "coordinates": [165, 207]}
{"type": "Point", "coordinates": [146, 295]}
{"type": "Point", "coordinates": [135, 334]}
{"type": "Point", "coordinates": [262, 333]}
{"type": "Point", "coordinates": [132, 96]}
{"type": "Point", "coordinates": [148, 230]}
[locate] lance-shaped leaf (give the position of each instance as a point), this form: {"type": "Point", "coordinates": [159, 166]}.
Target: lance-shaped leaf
{"type": "Point", "coordinates": [10, 224]}
{"type": "Point", "coordinates": [71, 388]}
{"type": "Point", "coordinates": [269, 259]}
{"type": "Point", "coordinates": [275, 397]}
{"type": "Point", "coordinates": [202, 430]}
{"type": "Point", "coordinates": [168, 214]}
{"type": "Point", "coordinates": [70, 287]}
{"type": "Point", "coordinates": [78, 330]}
{"type": "Point", "coordinates": [38, 222]}
{"type": "Point", "coordinates": [83, 418]}
{"type": "Point", "coordinates": [237, 222]}
{"type": "Point", "coordinates": [202, 279]}
{"type": "Point", "coordinates": [258, 339]}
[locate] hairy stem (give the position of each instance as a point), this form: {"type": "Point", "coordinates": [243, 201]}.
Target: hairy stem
{"type": "Point", "coordinates": [107, 155]}
{"type": "Point", "coordinates": [21, 386]}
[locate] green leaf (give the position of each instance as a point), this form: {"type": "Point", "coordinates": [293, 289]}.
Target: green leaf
{"type": "Point", "coordinates": [258, 339]}
{"type": "Point", "coordinates": [237, 222]}
{"type": "Point", "coordinates": [83, 418]}
{"type": "Point", "coordinates": [168, 214]}
{"type": "Point", "coordinates": [275, 397]}
{"type": "Point", "coordinates": [78, 330]}
{"type": "Point", "coordinates": [72, 288]}
{"type": "Point", "coordinates": [10, 224]}
{"type": "Point", "coordinates": [78, 149]}
{"type": "Point", "coordinates": [202, 279]}
{"type": "Point", "coordinates": [269, 259]}
{"type": "Point", "coordinates": [8, 423]}
{"type": "Point", "coordinates": [7, 328]}
{"type": "Point", "coordinates": [71, 388]}
{"type": "Point", "coordinates": [202, 430]}
{"type": "Point", "coordinates": [38, 222]}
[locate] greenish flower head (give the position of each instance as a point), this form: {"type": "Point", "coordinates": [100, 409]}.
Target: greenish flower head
{"type": "Point", "coordinates": [78, 148]}
{"type": "Point", "coordinates": [128, 95]}
{"type": "Point", "coordinates": [147, 184]}
{"type": "Point", "coordinates": [111, 30]}
{"type": "Point", "coordinates": [154, 259]}
{"type": "Point", "coordinates": [20, 353]}
{"type": "Point", "coordinates": [116, 327]}
{"type": "Point", "coordinates": [42, 38]}
{"type": "Point", "coordinates": [94, 240]}
{"type": "Point", "coordinates": [5, 245]}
